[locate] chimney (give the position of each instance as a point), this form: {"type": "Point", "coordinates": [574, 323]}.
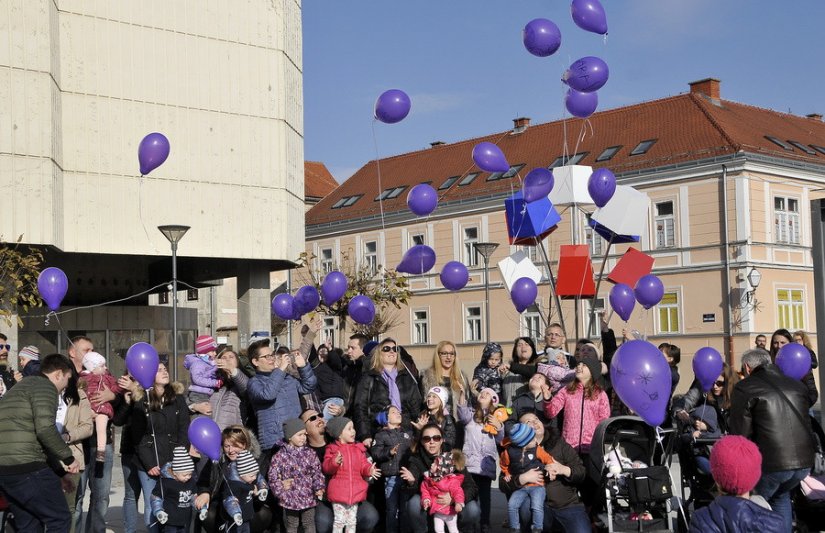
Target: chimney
{"type": "Point", "coordinates": [708, 87]}
{"type": "Point", "coordinates": [520, 124]}
{"type": "Point", "coordinates": [814, 116]}
{"type": "Point", "coordinates": [437, 143]}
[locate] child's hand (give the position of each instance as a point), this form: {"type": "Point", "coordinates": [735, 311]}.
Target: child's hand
{"type": "Point", "coordinates": [459, 507]}
{"type": "Point", "coordinates": [339, 459]}
{"type": "Point", "coordinates": [319, 494]}
{"type": "Point", "coordinates": [422, 421]}
{"type": "Point", "coordinates": [394, 450]}
{"type": "Point", "coordinates": [425, 504]}
{"type": "Point", "coordinates": [375, 472]}
{"type": "Point", "coordinates": [507, 478]}
{"type": "Point", "coordinates": [286, 484]}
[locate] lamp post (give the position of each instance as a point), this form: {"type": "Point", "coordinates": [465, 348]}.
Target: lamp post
{"type": "Point", "coordinates": [174, 233]}
{"type": "Point", "coordinates": [486, 249]}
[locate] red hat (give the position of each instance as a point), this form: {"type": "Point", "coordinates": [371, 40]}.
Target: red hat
{"type": "Point", "coordinates": [736, 464]}
{"type": "Point", "coordinates": [205, 344]}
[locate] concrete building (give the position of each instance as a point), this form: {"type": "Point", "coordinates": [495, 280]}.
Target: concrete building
{"type": "Point", "coordinates": [730, 186]}
{"type": "Point", "coordinates": [81, 83]}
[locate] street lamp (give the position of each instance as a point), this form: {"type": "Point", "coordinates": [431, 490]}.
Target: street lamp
{"type": "Point", "coordinates": [174, 233]}
{"type": "Point", "coordinates": [754, 278]}
{"type": "Point", "coordinates": [486, 249]}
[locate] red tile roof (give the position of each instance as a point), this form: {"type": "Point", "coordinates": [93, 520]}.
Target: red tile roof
{"type": "Point", "coordinates": [318, 182]}
{"type": "Point", "coordinates": [687, 127]}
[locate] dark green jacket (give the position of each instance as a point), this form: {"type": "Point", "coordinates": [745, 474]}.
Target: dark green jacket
{"type": "Point", "coordinates": [27, 426]}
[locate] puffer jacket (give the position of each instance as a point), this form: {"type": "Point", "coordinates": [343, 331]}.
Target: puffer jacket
{"type": "Point", "coordinates": [203, 374]}
{"type": "Point", "coordinates": [372, 395]}
{"type": "Point", "coordinates": [480, 448]}
{"type": "Point", "coordinates": [228, 402]}
{"type": "Point", "coordinates": [761, 414]}
{"type": "Point", "coordinates": [731, 514]}
{"type": "Point", "coordinates": [27, 424]}
{"type": "Point", "coordinates": [385, 441]}
{"type": "Point", "coordinates": [347, 483]}
{"type": "Point", "coordinates": [420, 462]}
{"type": "Point", "coordinates": [79, 426]}
{"type": "Point", "coordinates": [576, 432]}
{"type": "Point", "coordinates": [301, 465]}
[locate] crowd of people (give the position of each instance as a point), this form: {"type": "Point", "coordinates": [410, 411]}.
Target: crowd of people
{"type": "Point", "coordinates": [319, 438]}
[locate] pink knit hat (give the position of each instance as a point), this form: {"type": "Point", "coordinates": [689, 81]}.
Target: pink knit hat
{"type": "Point", "coordinates": [736, 464]}
{"type": "Point", "coordinates": [205, 344]}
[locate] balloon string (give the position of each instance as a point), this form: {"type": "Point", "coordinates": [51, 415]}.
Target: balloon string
{"type": "Point", "coordinates": [154, 442]}
{"type": "Point", "coordinates": [380, 193]}
{"type": "Point", "coordinates": [59, 326]}
{"type": "Point", "coordinates": [140, 214]}
{"type": "Point", "coordinates": [660, 441]}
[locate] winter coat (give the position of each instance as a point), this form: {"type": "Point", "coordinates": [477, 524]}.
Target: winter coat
{"type": "Point", "coordinates": [175, 498]}
{"type": "Point", "coordinates": [93, 383]}
{"type": "Point", "coordinates": [732, 514]}
{"type": "Point", "coordinates": [428, 382]}
{"type": "Point", "coordinates": [385, 440]}
{"type": "Point", "coordinates": [516, 461]}
{"type": "Point", "coordinates": [480, 448]}
{"type": "Point", "coordinates": [527, 403]}
{"type": "Point", "coordinates": [761, 414]}
{"type": "Point", "coordinates": [7, 378]}
{"type": "Point", "coordinates": [578, 434]}
{"type": "Point", "coordinates": [170, 423]}
{"type": "Point", "coordinates": [707, 414]}
{"type": "Point", "coordinates": [373, 396]}
{"type": "Point", "coordinates": [79, 425]}
{"type": "Point", "coordinates": [27, 424]}
{"type": "Point", "coordinates": [347, 483]}
{"type": "Point", "coordinates": [32, 368]}
{"type": "Point", "coordinates": [330, 378]}
{"type": "Point", "coordinates": [203, 374]}
{"type": "Point", "coordinates": [276, 397]}
{"type": "Point", "coordinates": [301, 465]}
{"type": "Point", "coordinates": [420, 462]}
{"type": "Point", "coordinates": [228, 403]}
{"type": "Point", "coordinates": [432, 488]}
{"type": "Point", "coordinates": [486, 377]}
{"type": "Point", "coordinates": [237, 497]}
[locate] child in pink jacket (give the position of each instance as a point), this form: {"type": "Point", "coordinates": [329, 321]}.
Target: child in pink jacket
{"type": "Point", "coordinates": [346, 462]}
{"type": "Point", "coordinates": [442, 478]}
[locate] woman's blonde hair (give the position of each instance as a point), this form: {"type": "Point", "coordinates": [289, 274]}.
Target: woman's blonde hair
{"type": "Point", "coordinates": [806, 340]}
{"type": "Point", "coordinates": [456, 379]}
{"type": "Point", "coordinates": [376, 356]}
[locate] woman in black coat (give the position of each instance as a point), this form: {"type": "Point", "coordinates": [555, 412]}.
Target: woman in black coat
{"type": "Point", "coordinates": [373, 393]}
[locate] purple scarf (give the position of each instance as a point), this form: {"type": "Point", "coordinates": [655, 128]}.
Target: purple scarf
{"type": "Point", "coordinates": [390, 377]}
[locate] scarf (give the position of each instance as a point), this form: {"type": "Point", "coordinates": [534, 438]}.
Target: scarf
{"type": "Point", "coordinates": [390, 377]}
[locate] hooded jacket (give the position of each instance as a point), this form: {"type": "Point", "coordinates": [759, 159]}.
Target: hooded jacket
{"type": "Point", "coordinates": [228, 403]}
{"type": "Point", "coordinates": [347, 483]}
{"type": "Point", "coordinates": [732, 514]}
{"type": "Point", "coordinates": [301, 465]}
{"type": "Point", "coordinates": [576, 432]}
{"type": "Point", "coordinates": [202, 373]}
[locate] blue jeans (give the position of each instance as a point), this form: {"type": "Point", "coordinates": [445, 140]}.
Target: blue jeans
{"type": "Point", "coordinates": [776, 487]}
{"type": "Point", "coordinates": [147, 485]}
{"type": "Point", "coordinates": [327, 403]}
{"type": "Point", "coordinates": [468, 518]}
{"type": "Point", "coordinates": [536, 496]}
{"type": "Point", "coordinates": [99, 488]}
{"type": "Point", "coordinates": [367, 517]}
{"type": "Point", "coordinates": [131, 493]}
{"type": "Point", "coordinates": [36, 500]}
{"type": "Point", "coordinates": [392, 499]}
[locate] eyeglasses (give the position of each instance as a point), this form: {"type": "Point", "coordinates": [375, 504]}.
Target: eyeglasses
{"type": "Point", "coordinates": [389, 348]}
{"type": "Point", "coordinates": [270, 356]}
{"type": "Point", "coordinates": [445, 354]}
{"type": "Point", "coordinates": [313, 418]}
{"type": "Point", "coordinates": [431, 438]}
{"type": "Point", "coordinates": [6, 346]}
{"type": "Point", "coordinates": [720, 383]}
{"type": "Point", "coordinates": [554, 335]}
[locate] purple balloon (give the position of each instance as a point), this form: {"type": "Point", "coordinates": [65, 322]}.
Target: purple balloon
{"type": "Point", "coordinates": [601, 185]}
{"type": "Point", "coordinates": [53, 285]}
{"type": "Point", "coordinates": [334, 287]}
{"type": "Point", "coordinates": [417, 260]}
{"type": "Point", "coordinates": [283, 306]}
{"type": "Point", "coordinates": [361, 309]}
{"type": "Point", "coordinates": [422, 199]}
{"type": "Point", "coordinates": [541, 37]}
{"type": "Point", "coordinates": [641, 377]}
{"type": "Point", "coordinates": [142, 362]}
{"type": "Point", "coordinates": [523, 293]}
{"type": "Point", "coordinates": [489, 157]}
{"type": "Point", "coordinates": [152, 152]}
{"type": "Point", "coordinates": [649, 291]}
{"type": "Point", "coordinates": [581, 104]}
{"type": "Point", "coordinates": [707, 365]}
{"type": "Point", "coordinates": [392, 106]}
{"type": "Point", "coordinates": [622, 300]}
{"type": "Point", "coordinates": [306, 299]}
{"type": "Point", "coordinates": [454, 276]}
{"type": "Point", "coordinates": [588, 74]}
{"type": "Point", "coordinates": [794, 360]}
{"type": "Point", "coordinates": [589, 15]}
{"type": "Point", "coordinates": [537, 184]}
{"type": "Point", "coordinates": [205, 435]}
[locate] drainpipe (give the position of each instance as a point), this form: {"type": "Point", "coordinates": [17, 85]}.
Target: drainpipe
{"type": "Point", "coordinates": [727, 287]}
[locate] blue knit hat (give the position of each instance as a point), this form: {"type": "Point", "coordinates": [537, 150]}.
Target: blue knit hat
{"type": "Point", "coordinates": [368, 347]}
{"type": "Point", "coordinates": [521, 435]}
{"type": "Point", "coordinates": [383, 417]}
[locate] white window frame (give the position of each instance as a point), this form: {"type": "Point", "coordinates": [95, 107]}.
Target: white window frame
{"type": "Point", "coordinates": [471, 258]}
{"type": "Point", "coordinates": [664, 238]}
{"type": "Point", "coordinates": [531, 324]}
{"type": "Point", "coordinates": [421, 234]}
{"type": "Point", "coordinates": [329, 329]}
{"type": "Point", "coordinates": [786, 223]}
{"type": "Point", "coordinates": [473, 324]}
{"type": "Point", "coordinates": [596, 327]}
{"type": "Point", "coordinates": [370, 258]}
{"type": "Point", "coordinates": [420, 331]}
{"type": "Point", "coordinates": [662, 306]}
{"type": "Point", "coordinates": [595, 242]}
{"type": "Point", "coordinates": [794, 318]}
{"type": "Point", "coordinates": [327, 265]}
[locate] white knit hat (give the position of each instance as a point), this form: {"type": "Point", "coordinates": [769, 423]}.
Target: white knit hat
{"type": "Point", "coordinates": [442, 393]}
{"type": "Point", "coordinates": [32, 352]}
{"type": "Point", "coordinates": [93, 360]}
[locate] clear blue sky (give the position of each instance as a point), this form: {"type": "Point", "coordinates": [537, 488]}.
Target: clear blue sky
{"type": "Point", "coordinates": [466, 70]}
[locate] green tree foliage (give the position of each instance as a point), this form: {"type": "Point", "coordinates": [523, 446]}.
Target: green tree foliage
{"type": "Point", "coordinates": [19, 269]}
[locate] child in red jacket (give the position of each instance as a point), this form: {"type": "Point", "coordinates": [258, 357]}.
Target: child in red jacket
{"type": "Point", "coordinates": [442, 478]}
{"type": "Point", "coordinates": [346, 462]}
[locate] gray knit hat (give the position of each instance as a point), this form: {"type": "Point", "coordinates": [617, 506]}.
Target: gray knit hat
{"type": "Point", "coordinates": [32, 352]}
{"type": "Point", "coordinates": [336, 426]}
{"type": "Point", "coordinates": [292, 426]}
{"type": "Point", "coordinates": [181, 461]}
{"type": "Point", "coordinates": [246, 464]}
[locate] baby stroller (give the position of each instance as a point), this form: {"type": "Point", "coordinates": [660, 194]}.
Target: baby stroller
{"type": "Point", "coordinates": [632, 470]}
{"type": "Point", "coordinates": [809, 497]}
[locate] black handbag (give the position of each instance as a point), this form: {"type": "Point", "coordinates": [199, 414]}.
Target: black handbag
{"type": "Point", "coordinates": [650, 484]}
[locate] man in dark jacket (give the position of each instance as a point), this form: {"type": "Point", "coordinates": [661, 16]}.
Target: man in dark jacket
{"type": "Point", "coordinates": [30, 438]}
{"type": "Point", "coordinates": [6, 375]}
{"type": "Point", "coordinates": [771, 409]}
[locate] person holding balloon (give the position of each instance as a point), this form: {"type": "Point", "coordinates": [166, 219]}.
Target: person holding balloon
{"type": "Point", "coordinates": [718, 396]}
{"type": "Point", "coordinates": [783, 337]}
{"type": "Point", "coordinates": [158, 421]}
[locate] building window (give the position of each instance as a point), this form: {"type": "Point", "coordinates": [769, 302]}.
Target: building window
{"type": "Point", "coordinates": [163, 298]}
{"type": "Point", "coordinates": [786, 220]}
{"type": "Point", "coordinates": [326, 261]}
{"type": "Point", "coordinates": [468, 179]}
{"type": "Point", "coordinates": [594, 240]}
{"type": "Point", "coordinates": [790, 309]}
{"type": "Point", "coordinates": [449, 182]}
{"type": "Point", "coordinates": [371, 256]}
{"type": "Point", "coordinates": [328, 331]}
{"type": "Point", "coordinates": [643, 147]}
{"type": "Point", "coordinates": [472, 324]}
{"type": "Point", "coordinates": [533, 253]}
{"type": "Point", "coordinates": [595, 324]}
{"type": "Point", "coordinates": [608, 153]}
{"type": "Point", "coordinates": [192, 295]}
{"type": "Point", "coordinates": [665, 225]}
{"type": "Point", "coordinates": [531, 324]}
{"type": "Point", "coordinates": [421, 327]}
{"type": "Point", "coordinates": [669, 313]}
{"type": "Point", "coordinates": [417, 238]}
{"type": "Point", "coordinates": [470, 253]}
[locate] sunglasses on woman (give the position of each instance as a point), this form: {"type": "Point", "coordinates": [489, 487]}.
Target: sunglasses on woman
{"type": "Point", "coordinates": [719, 383]}
{"type": "Point", "coordinates": [431, 438]}
{"type": "Point", "coordinates": [389, 349]}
